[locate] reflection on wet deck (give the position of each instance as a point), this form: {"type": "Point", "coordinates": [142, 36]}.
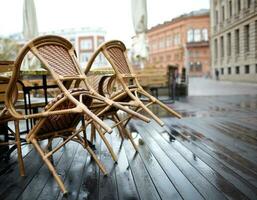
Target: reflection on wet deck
{"type": "Point", "coordinates": [209, 154]}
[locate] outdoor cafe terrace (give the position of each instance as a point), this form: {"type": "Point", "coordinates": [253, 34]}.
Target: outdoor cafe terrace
{"type": "Point", "coordinates": [208, 154]}
{"type": "Point", "coordinates": [103, 136]}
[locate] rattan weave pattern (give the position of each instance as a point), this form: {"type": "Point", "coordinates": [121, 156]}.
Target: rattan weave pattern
{"type": "Point", "coordinates": [59, 59]}
{"type": "Point", "coordinates": [59, 122]}
{"type": "Point", "coordinates": [119, 59]}
{"type": "Point", "coordinates": [94, 81]}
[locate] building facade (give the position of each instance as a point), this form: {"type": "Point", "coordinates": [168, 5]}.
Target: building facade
{"type": "Point", "coordinates": [85, 40]}
{"type": "Point", "coordinates": [183, 43]}
{"type": "Point", "coordinates": [234, 39]}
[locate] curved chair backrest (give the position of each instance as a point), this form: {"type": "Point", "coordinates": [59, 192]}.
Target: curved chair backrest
{"type": "Point", "coordinates": [115, 52]}
{"type": "Point", "coordinates": [55, 53]}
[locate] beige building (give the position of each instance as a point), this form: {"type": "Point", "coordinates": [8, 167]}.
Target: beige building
{"type": "Point", "coordinates": [234, 39]}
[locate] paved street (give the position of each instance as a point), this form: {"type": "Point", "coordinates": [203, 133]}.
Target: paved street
{"type": "Point", "coordinates": [209, 87]}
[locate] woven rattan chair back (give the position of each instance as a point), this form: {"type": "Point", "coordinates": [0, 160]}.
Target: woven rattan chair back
{"type": "Point", "coordinates": [115, 53]}
{"type": "Point", "coordinates": [59, 59]}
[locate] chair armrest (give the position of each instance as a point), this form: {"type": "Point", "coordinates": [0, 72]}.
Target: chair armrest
{"type": "Point", "coordinates": [106, 84]}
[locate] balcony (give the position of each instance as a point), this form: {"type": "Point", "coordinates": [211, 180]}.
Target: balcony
{"type": "Point", "coordinates": [197, 44]}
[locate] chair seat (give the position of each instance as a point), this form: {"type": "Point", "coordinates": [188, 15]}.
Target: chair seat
{"type": "Point", "coordinates": [60, 122]}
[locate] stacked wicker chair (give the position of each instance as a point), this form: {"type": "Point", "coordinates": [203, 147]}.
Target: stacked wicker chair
{"type": "Point", "coordinates": [127, 87]}
{"type": "Point", "coordinates": [61, 117]}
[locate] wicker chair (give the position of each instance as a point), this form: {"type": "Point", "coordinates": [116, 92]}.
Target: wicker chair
{"type": "Point", "coordinates": [62, 116]}
{"type": "Point", "coordinates": [5, 117]}
{"type": "Point", "coordinates": [127, 86]}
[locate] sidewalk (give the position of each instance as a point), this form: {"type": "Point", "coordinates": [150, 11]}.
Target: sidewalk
{"type": "Point", "coordinates": [209, 87]}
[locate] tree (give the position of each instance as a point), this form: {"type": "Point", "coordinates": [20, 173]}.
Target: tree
{"type": "Point", "coordinates": [8, 49]}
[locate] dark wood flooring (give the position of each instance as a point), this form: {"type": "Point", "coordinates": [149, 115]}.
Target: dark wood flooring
{"type": "Point", "coordinates": [209, 154]}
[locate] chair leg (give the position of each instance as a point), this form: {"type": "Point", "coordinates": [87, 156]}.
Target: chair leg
{"type": "Point", "coordinates": [116, 120]}
{"type": "Point", "coordinates": [92, 135]}
{"type": "Point", "coordinates": [157, 119]}
{"type": "Point", "coordinates": [127, 133]}
{"type": "Point", "coordinates": [18, 143]}
{"type": "Point", "coordinates": [114, 157]}
{"type": "Point", "coordinates": [91, 152]}
{"type": "Point", "coordinates": [50, 166]}
{"type": "Point", "coordinates": [164, 106]}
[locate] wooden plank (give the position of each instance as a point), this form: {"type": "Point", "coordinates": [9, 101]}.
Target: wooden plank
{"type": "Point", "coordinates": [89, 188]}
{"type": "Point", "coordinates": [107, 184]}
{"type": "Point", "coordinates": [13, 183]}
{"type": "Point", "coordinates": [208, 173]}
{"type": "Point", "coordinates": [180, 181]}
{"type": "Point", "coordinates": [225, 147]}
{"type": "Point", "coordinates": [220, 167]}
{"type": "Point", "coordinates": [74, 178]}
{"type": "Point", "coordinates": [144, 184]}
{"type": "Point", "coordinates": [62, 169]}
{"type": "Point", "coordinates": [164, 186]}
{"type": "Point", "coordinates": [125, 182]}
{"type": "Point", "coordinates": [38, 182]}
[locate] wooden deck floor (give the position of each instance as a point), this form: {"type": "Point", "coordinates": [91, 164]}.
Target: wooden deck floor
{"type": "Point", "coordinates": [209, 154]}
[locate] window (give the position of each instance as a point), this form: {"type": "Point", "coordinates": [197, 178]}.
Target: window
{"type": "Point", "coordinates": [222, 46]}
{"type": "Point", "coordinates": [248, 3]}
{"type": "Point", "coordinates": [100, 40]}
{"type": "Point", "coordinates": [169, 41]}
{"type": "Point", "coordinates": [190, 35]}
{"type": "Point", "coordinates": [229, 70]}
{"type": "Point", "coordinates": [223, 13]}
{"type": "Point", "coordinates": [86, 44]}
{"type": "Point", "coordinates": [216, 16]}
{"type": "Point", "coordinates": [247, 69]}
{"type": "Point", "coordinates": [154, 45]}
{"type": "Point", "coordinates": [230, 8]}
{"type": "Point", "coordinates": [177, 39]}
{"type": "Point", "coordinates": [205, 34]}
{"type": "Point", "coordinates": [84, 57]}
{"type": "Point", "coordinates": [191, 66]}
{"type": "Point", "coordinates": [229, 44]}
{"type": "Point", "coordinates": [222, 71]}
{"type": "Point", "coordinates": [162, 43]}
{"type": "Point", "coordinates": [216, 48]}
{"type": "Point", "coordinates": [237, 70]}
{"type": "Point", "coordinates": [197, 35]}
{"type": "Point", "coordinates": [238, 6]}
{"type": "Point", "coordinates": [256, 35]}
{"type": "Point", "coordinates": [237, 42]}
{"type": "Point", "coordinates": [198, 66]}
{"type": "Point", "coordinates": [247, 37]}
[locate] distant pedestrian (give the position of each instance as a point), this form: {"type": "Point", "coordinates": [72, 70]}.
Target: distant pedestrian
{"type": "Point", "coordinates": [217, 74]}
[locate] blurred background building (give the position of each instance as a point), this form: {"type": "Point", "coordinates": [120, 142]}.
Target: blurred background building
{"type": "Point", "coordinates": [85, 40]}
{"type": "Point", "coordinates": [182, 43]}
{"type": "Point", "coordinates": [234, 39]}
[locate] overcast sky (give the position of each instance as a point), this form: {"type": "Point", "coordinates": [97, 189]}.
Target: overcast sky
{"type": "Point", "coordinates": [114, 16]}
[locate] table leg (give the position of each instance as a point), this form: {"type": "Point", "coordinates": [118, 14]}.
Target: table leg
{"type": "Point", "coordinates": [45, 88]}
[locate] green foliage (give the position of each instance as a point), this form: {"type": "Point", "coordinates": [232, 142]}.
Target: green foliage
{"type": "Point", "coordinates": [8, 49]}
